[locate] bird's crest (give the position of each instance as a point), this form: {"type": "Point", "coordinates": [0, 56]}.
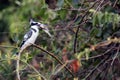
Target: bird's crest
{"type": "Point", "coordinates": [32, 22]}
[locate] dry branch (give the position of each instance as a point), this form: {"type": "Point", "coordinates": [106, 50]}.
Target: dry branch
{"type": "Point", "coordinates": [52, 55]}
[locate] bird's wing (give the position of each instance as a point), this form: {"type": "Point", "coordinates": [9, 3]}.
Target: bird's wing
{"type": "Point", "coordinates": [26, 37]}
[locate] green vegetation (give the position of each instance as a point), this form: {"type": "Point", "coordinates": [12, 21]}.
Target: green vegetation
{"type": "Point", "coordinates": [86, 39]}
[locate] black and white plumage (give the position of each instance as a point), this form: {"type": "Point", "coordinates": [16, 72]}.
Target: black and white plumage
{"type": "Point", "coordinates": [29, 39]}
{"type": "Point", "coordinates": [31, 36]}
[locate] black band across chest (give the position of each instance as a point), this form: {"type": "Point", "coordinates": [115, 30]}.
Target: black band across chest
{"type": "Point", "coordinates": [34, 29]}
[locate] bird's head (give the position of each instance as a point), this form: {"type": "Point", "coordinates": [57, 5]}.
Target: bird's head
{"type": "Point", "coordinates": [39, 25]}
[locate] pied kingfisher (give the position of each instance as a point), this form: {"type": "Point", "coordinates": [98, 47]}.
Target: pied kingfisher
{"type": "Point", "coordinates": [31, 36]}
{"type": "Point", "coordinates": [29, 39]}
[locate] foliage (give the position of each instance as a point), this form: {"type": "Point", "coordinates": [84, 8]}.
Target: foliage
{"type": "Point", "coordinates": [86, 39]}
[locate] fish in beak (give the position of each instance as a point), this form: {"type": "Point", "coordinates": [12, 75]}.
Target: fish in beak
{"type": "Point", "coordinates": [41, 26]}
{"type": "Point", "coordinates": [44, 28]}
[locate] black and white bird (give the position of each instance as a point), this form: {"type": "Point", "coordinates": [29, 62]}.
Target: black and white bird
{"type": "Point", "coordinates": [31, 36]}
{"type": "Point", "coordinates": [29, 39]}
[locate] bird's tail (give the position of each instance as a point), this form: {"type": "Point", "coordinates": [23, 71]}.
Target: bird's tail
{"type": "Point", "coordinates": [18, 64]}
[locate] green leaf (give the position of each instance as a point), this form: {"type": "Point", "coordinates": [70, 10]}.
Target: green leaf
{"type": "Point", "coordinates": [87, 52]}
{"type": "Point", "coordinates": [63, 14]}
{"type": "Point", "coordinates": [100, 18]}
{"type": "Point", "coordinates": [95, 21]}
{"type": "Point", "coordinates": [94, 32]}
{"type": "Point", "coordinates": [99, 32]}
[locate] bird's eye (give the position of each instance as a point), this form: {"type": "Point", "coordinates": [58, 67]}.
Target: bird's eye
{"type": "Point", "coordinates": [40, 28]}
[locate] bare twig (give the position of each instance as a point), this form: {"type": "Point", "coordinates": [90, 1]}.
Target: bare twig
{"type": "Point", "coordinates": [51, 54]}
{"type": "Point", "coordinates": [5, 46]}
{"type": "Point", "coordinates": [73, 9]}
{"type": "Point", "coordinates": [104, 61]}
{"type": "Point", "coordinates": [100, 55]}
{"type": "Point", "coordinates": [106, 3]}
{"type": "Point", "coordinates": [76, 34]}
{"type": "Point", "coordinates": [102, 44]}
{"type": "Point", "coordinates": [106, 66]}
{"type": "Point", "coordinates": [92, 71]}
{"type": "Point", "coordinates": [98, 8]}
{"type": "Point", "coordinates": [115, 55]}
{"type": "Point", "coordinates": [82, 18]}
{"type": "Point", "coordinates": [103, 71]}
{"type": "Point", "coordinates": [60, 68]}
{"type": "Point", "coordinates": [115, 3]}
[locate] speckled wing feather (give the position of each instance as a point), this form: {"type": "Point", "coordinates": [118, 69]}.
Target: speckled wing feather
{"type": "Point", "coordinates": [26, 37]}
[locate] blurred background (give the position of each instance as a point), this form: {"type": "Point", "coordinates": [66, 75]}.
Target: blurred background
{"type": "Point", "coordinates": [86, 37]}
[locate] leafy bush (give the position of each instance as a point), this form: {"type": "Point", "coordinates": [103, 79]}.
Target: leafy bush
{"type": "Point", "coordinates": [86, 39]}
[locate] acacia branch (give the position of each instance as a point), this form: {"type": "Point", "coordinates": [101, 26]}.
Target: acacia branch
{"type": "Point", "coordinates": [52, 55]}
